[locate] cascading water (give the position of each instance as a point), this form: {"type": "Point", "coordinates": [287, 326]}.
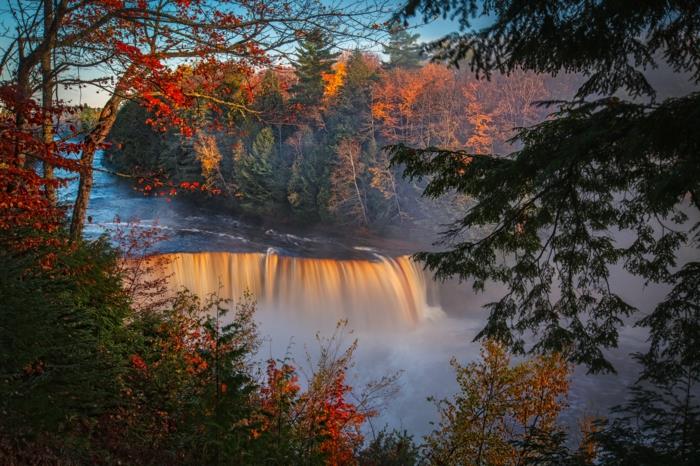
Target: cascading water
{"type": "Point", "coordinates": [386, 292]}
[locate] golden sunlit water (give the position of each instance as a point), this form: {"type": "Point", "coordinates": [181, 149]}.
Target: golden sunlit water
{"type": "Point", "coordinates": [384, 292]}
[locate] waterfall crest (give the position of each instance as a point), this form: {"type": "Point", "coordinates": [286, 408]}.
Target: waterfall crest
{"type": "Point", "coordinates": [370, 293]}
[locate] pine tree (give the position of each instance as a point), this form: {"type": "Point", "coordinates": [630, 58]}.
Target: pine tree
{"type": "Point", "coordinates": [270, 101]}
{"type": "Point", "coordinates": [261, 175]}
{"type": "Point", "coordinates": [403, 50]}
{"type": "Point", "coordinates": [62, 341]}
{"type": "Point", "coordinates": [660, 423]}
{"type": "Point", "coordinates": [315, 59]}
{"type": "Point", "coordinates": [599, 165]}
{"type": "Point", "coordinates": [305, 183]}
{"type": "Point", "coordinates": [351, 110]}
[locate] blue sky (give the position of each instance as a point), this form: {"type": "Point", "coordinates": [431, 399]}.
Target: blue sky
{"type": "Point", "coordinates": [94, 97]}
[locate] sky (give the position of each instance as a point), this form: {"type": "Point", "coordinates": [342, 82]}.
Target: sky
{"type": "Point", "coordinates": [95, 97]}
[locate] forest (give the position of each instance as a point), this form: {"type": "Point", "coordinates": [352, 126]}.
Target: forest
{"type": "Point", "coordinates": [311, 150]}
{"type": "Point", "coordinates": [554, 187]}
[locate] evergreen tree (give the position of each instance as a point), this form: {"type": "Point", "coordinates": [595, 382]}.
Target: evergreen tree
{"type": "Point", "coordinates": [599, 165]}
{"type": "Point", "coordinates": [262, 175]}
{"type": "Point", "coordinates": [304, 183]}
{"type": "Point", "coordinates": [351, 112]}
{"type": "Point", "coordinates": [314, 59]}
{"type": "Point", "coordinates": [62, 343]}
{"type": "Point", "coordinates": [270, 101]}
{"type": "Point", "coordinates": [660, 424]}
{"type": "Point", "coordinates": [135, 146]}
{"type": "Point", "coordinates": [403, 50]}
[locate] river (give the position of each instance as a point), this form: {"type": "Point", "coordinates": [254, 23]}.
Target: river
{"type": "Point", "coordinates": [306, 281]}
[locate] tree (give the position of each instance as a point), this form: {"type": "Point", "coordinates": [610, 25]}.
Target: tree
{"type": "Point", "coordinates": [313, 64]}
{"type": "Point", "coordinates": [499, 409]}
{"type": "Point", "coordinates": [262, 176]}
{"type": "Point", "coordinates": [348, 199]}
{"type": "Point", "coordinates": [143, 44]}
{"type": "Point", "coordinates": [597, 166]}
{"type": "Point", "coordinates": [659, 423]}
{"type": "Point", "coordinates": [390, 448]}
{"type": "Point", "coordinates": [62, 344]}
{"type": "Point", "coordinates": [321, 425]}
{"type": "Point", "coordinates": [304, 179]}
{"type": "Point", "coordinates": [383, 180]}
{"type": "Point", "coordinates": [402, 50]}
{"type": "Point", "coordinates": [207, 153]}
{"type": "Point", "coordinates": [271, 104]}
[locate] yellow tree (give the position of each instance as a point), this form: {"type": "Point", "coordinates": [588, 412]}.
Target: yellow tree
{"type": "Point", "coordinates": [499, 410]}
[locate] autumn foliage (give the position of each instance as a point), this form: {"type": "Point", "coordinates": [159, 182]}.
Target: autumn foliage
{"type": "Point", "coordinates": [501, 409]}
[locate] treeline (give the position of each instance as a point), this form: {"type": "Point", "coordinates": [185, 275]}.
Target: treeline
{"type": "Point", "coordinates": [311, 147]}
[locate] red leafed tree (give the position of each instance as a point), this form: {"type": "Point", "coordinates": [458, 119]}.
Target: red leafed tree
{"type": "Point", "coordinates": [325, 419]}
{"type": "Point", "coordinates": [142, 49]}
{"type": "Point", "coordinates": [26, 213]}
{"type": "Point", "coordinates": [341, 421]}
{"type": "Point", "coordinates": [321, 419]}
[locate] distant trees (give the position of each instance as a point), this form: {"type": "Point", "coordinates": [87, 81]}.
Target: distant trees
{"type": "Point", "coordinates": [289, 156]}
{"type": "Point", "coordinates": [403, 49]}
{"type": "Point", "coordinates": [348, 200]}
{"type": "Point", "coordinates": [262, 174]}
{"type": "Point", "coordinates": [135, 50]}
{"type": "Point", "coordinates": [314, 61]}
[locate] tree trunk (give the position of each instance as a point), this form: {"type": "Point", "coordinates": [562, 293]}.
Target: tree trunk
{"type": "Point", "coordinates": [396, 195]}
{"type": "Point", "coordinates": [351, 155]}
{"type": "Point", "coordinates": [92, 141]}
{"type": "Point", "coordinates": [23, 94]}
{"type": "Point", "coordinates": [47, 90]}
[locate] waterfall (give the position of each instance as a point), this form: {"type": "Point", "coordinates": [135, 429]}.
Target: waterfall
{"type": "Point", "coordinates": [386, 292]}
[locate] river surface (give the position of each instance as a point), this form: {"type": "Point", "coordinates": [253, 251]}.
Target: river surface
{"type": "Point", "coordinates": [305, 282]}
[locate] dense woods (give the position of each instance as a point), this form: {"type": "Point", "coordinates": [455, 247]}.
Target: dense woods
{"type": "Point", "coordinates": [262, 108]}
{"type": "Point", "coordinates": [313, 149]}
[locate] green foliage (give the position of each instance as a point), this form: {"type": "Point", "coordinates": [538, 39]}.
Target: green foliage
{"type": "Point", "coordinates": [303, 186]}
{"type": "Point", "coordinates": [262, 175]}
{"type": "Point", "coordinates": [594, 168]}
{"type": "Point", "coordinates": [314, 59]}
{"type": "Point", "coordinates": [75, 307]}
{"type": "Point", "coordinates": [62, 342]}
{"type": "Point", "coordinates": [403, 50]}
{"type": "Point", "coordinates": [135, 146]}
{"type": "Point", "coordinates": [390, 448]}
